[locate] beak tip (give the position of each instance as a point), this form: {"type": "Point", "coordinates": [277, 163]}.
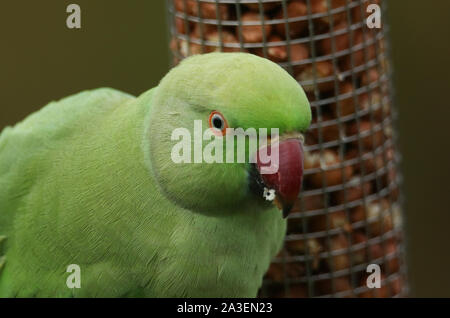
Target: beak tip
{"type": "Point", "coordinates": [287, 209]}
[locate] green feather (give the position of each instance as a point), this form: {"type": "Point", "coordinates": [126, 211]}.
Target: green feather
{"type": "Point", "coordinates": [88, 180]}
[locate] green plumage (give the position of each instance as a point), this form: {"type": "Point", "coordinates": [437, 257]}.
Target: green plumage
{"type": "Point", "coordinates": [89, 180]}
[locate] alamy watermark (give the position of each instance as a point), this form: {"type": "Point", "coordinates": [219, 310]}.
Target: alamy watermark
{"type": "Point", "coordinates": [374, 19]}
{"type": "Point", "coordinates": [374, 279]}
{"type": "Point", "coordinates": [73, 21]}
{"type": "Point", "coordinates": [74, 279]}
{"type": "Point", "coordinates": [189, 149]}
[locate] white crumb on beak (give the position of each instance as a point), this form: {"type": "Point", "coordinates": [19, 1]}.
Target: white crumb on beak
{"type": "Point", "coordinates": [269, 195]}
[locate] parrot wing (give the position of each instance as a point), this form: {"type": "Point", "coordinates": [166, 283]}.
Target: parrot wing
{"type": "Point", "coordinates": [28, 152]}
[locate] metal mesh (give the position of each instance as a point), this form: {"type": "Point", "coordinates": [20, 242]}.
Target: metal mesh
{"type": "Point", "coordinates": [348, 215]}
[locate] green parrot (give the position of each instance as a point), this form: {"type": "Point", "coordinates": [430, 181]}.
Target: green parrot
{"type": "Point", "coordinates": [89, 181]}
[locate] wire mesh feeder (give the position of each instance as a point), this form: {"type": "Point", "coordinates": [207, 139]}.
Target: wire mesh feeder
{"type": "Point", "coordinates": [348, 215]}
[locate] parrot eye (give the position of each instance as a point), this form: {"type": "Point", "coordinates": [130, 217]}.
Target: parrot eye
{"type": "Point", "coordinates": [218, 123]}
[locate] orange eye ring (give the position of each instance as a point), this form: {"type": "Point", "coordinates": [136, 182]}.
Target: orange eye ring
{"type": "Point", "coordinates": [218, 123]}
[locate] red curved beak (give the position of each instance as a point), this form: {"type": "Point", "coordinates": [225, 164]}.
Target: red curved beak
{"type": "Point", "coordinates": [286, 180]}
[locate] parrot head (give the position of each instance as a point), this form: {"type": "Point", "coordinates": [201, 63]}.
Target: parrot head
{"type": "Point", "coordinates": [214, 93]}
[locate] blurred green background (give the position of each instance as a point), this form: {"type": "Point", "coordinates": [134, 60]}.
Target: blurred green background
{"type": "Point", "coordinates": [123, 44]}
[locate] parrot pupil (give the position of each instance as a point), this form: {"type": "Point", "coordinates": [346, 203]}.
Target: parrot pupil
{"type": "Point", "coordinates": [217, 123]}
